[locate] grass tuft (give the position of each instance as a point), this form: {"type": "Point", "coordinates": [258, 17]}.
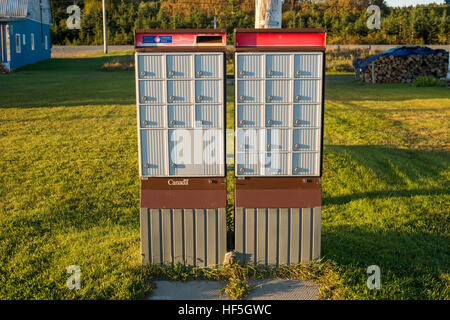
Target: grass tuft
{"type": "Point", "coordinates": [121, 63]}
{"type": "Point", "coordinates": [427, 82]}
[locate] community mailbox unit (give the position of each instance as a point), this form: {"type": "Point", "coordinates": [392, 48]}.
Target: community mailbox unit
{"type": "Point", "coordinates": [279, 87]}
{"type": "Point", "coordinates": [180, 92]}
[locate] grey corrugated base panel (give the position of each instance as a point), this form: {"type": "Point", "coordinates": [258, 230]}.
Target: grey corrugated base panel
{"type": "Point", "coordinates": [277, 236]}
{"type": "Point", "coordinates": [191, 236]}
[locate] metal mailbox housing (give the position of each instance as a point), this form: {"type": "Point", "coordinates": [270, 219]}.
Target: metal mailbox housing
{"type": "Point", "coordinates": [279, 122]}
{"type": "Point", "coordinates": [180, 93]}
{"type": "Point", "coordinates": [283, 91]}
{"type": "Point", "coordinates": [178, 90]}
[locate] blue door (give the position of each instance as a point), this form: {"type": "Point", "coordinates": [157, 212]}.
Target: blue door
{"type": "Point", "coordinates": [3, 43]}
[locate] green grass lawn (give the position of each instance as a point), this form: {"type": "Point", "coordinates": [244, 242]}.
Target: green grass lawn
{"type": "Point", "coordinates": [69, 189]}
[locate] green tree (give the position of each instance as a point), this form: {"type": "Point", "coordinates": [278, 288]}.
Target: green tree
{"type": "Point", "coordinates": [345, 20]}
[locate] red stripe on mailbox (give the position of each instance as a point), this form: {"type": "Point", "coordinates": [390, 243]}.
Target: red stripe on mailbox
{"type": "Point", "coordinates": [176, 38]}
{"type": "Point", "coordinates": [265, 39]}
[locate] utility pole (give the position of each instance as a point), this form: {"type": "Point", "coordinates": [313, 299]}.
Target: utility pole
{"type": "Point", "coordinates": [105, 32]}
{"type": "Point", "coordinates": [448, 73]}
{"type": "Point", "coordinates": [268, 14]}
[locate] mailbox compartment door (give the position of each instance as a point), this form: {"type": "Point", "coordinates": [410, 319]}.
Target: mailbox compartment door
{"type": "Point", "coordinates": [305, 163]}
{"type": "Point", "coordinates": [276, 140]}
{"type": "Point", "coordinates": [178, 91]}
{"type": "Point", "coordinates": [179, 116]}
{"type": "Point", "coordinates": [208, 91]}
{"type": "Point", "coordinates": [178, 66]}
{"type": "Point", "coordinates": [208, 66]}
{"type": "Point", "coordinates": [248, 163]}
{"type": "Point", "coordinates": [306, 115]}
{"type": "Point", "coordinates": [305, 140]}
{"type": "Point", "coordinates": [278, 66]}
{"type": "Point", "coordinates": [248, 140]}
{"type": "Point", "coordinates": [152, 116]}
{"type": "Point", "coordinates": [278, 115]}
{"type": "Point", "coordinates": [213, 152]}
{"type": "Point", "coordinates": [250, 91]}
{"type": "Point", "coordinates": [196, 152]}
{"type": "Point", "coordinates": [307, 91]}
{"type": "Point", "coordinates": [276, 163]}
{"type": "Point", "coordinates": [308, 65]}
{"type": "Point", "coordinates": [150, 67]}
{"type": "Point", "coordinates": [151, 91]}
{"type": "Point", "coordinates": [278, 91]}
{"type": "Point", "coordinates": [208, 116]}
{"type": "Point", "coordinates": [181, 153]}
{"type": "Point", "coordinates": [153, 152]}
{"type": "Point", "coordinates": [248, 116]}
{"type": "Point", "coordinates": [249, 65]}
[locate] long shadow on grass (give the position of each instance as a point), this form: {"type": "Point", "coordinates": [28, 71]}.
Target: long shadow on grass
{"type": "Point", "coordinates": [413, 263]}
{"type": "Point", "coordinates": [411, 248]}
{"type": "Point", "coordinates": [384, 194]}
{"type": "Point", "coordinates": [395, 168]}
{"type": "Point", "coordinates": [65, 82]}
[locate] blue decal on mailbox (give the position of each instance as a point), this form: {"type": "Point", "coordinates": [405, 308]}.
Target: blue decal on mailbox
{"type": "Point", "coordinates": [157, 39]}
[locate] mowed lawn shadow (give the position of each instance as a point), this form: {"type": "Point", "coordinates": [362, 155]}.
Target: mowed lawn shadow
{"type": "Point", "coordinates": [400, 223]}
{"type": "Point", "coordinates": [413, 264]}
{"type": "Point", "coordinates": [65, 82]}
{"type": "Point", "coordinates": [394, 167]}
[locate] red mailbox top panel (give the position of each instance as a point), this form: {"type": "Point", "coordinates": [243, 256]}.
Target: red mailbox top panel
{"type": "Point", "coordinates": [180, 38]}
{"type": "Point", "coordinates": [285, 39]}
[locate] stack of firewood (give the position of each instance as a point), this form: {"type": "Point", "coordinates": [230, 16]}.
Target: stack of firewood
{"type": "Point", "coordinates": [404, 69]}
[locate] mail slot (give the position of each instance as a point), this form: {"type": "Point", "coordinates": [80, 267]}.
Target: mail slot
{"type": "Point", "coordinates": [279, 128]}
{"type": "Point", "coordinates": [180, 83]}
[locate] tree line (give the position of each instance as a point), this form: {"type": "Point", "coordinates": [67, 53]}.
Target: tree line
{"type": "Point", "coordinates": [345, 20]}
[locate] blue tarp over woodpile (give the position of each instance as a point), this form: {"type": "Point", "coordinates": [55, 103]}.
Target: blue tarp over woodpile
{"type": "Point", "coordinates": [403, 51]}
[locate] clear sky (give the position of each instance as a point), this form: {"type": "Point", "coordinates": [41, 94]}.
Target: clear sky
{"type": "Point", "coordinates": [401, 3]}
